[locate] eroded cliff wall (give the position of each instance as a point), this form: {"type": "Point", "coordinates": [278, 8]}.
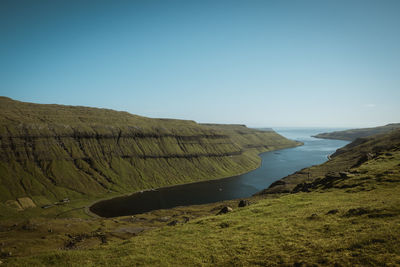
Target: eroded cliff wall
{"type": "Point", "coordinates": [55, 151]}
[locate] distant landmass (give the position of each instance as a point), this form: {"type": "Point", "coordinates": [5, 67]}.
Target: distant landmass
{"type": "Point", "coordinates": [353, 134]}
{"type": "Point", "coordinates": [265, 129]}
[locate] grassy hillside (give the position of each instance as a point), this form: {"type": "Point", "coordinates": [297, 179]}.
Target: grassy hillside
{"type": "Point", "coordinates": [353, 134]}
{"type": "Point", "coordinates": [53, 152]}
{"type": "Point", "coordinates": [342, 161]}
{"type": "Point", "coordinates": [347, 215]}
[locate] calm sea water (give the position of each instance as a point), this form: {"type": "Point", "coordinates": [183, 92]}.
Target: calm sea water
{"type": "Point", "coordinates": [275, 165]}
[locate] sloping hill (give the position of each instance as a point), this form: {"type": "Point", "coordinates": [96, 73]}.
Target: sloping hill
{"type": "Point", "coordinates": [353, 134]}
{"type": "Point", "coordinates": [51, 152]}
{"type": "Point", "coordinates": [342, 162]}
{"type": "Point", "coordinates": [347, 213]}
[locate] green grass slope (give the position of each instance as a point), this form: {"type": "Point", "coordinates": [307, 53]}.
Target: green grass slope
{"type": "Point", "coordinates": [346, 216]}
{"type": "Point", "coordinates": [353, 134]}
{"type": "Point", "coordinates": [52, 152]}
{"type": "Point", "coordinates": [342, 162]}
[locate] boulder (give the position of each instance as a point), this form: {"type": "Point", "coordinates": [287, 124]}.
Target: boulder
{"type": "Point", "coordinates": [243, 203]}
{"type": "Point", "coordinates": [224, 210]}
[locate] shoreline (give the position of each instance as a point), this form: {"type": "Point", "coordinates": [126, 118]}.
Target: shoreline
{"type": "Point", "coordinates": [88, 211]}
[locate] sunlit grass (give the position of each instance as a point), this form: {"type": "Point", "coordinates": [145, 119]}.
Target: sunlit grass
{"type": "Point", "coordinates": [292, 229]}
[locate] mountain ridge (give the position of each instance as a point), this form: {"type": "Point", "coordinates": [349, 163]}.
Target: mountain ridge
{"type": "Point", "coordinates": [52, 152]}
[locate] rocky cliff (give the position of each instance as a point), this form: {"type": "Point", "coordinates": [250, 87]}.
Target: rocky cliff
{"type": "Point", "coordinates": [49, 152]}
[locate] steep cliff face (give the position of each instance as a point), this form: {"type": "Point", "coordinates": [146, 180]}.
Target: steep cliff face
{"type": "Point", "coordinates": [50, 152]}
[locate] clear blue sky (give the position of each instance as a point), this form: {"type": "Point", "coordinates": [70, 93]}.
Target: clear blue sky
{"type": "Point", "coordinates": [262, 63]}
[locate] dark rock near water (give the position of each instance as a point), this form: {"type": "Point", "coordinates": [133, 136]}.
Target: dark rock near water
{"type": "Point", "coordinates": [243, 203]}
{"type": "Point", "coordinates": [279, 182]}
{"type": "Point", "coordinates": [224, 210]}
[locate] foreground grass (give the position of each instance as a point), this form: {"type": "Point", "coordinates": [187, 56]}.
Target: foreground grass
{"type": "Point", "coordinates": [311, 228]}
